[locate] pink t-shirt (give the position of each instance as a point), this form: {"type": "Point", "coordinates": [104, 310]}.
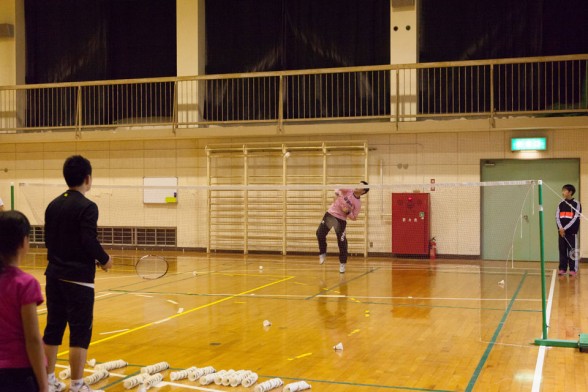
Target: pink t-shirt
{"type": "Point", "coordinates": [345, 199]}
{"type": "Point", "coordinates": [17, 288]}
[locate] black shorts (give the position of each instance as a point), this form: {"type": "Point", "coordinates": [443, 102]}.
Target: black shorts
{"type": "Point", "coordinates": [21, 380]}
{"type": "Point", "coordinates": [68, 304]}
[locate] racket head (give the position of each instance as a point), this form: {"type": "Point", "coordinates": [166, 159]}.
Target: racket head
{"type": "Point", "coordinates": [151, 267]}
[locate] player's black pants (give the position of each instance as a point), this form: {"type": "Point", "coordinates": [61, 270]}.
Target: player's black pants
{"type": "Point", "coordinates": [568, 252]}
{"type": "Point", "coordinates": [330, 222]}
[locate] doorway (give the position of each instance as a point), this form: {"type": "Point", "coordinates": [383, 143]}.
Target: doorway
{"type": "Point", "coordinates": [499, 207]}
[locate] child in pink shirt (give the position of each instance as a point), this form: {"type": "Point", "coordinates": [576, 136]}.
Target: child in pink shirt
{"type": "Point", "coordinates": [347, 204]}
{"type": "Point", "coordinates": [22, 359]}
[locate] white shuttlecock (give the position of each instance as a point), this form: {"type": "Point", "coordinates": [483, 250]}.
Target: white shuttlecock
{"type": "Point", "coordinates": [111, 365]}
{"type": "Point", "coordinates": [158, 367]}
{"type": "Point", "coordinates": [206, 379]}
{"type": "Point", "coordinates": [268, 385]}
{"type": "Point", "coordinates": [287, 154]}
{"type": "Point", "coordinates": [182, 374]}
{"type": "Point", "coordinates": [338, 347]}
{"type": "Point", "coordinates": [237, 378]}
{"type": "Point", "coordinates": [65, 374]}
{"type": "Point", "coordinates": [218, 377]}
{"type": "Point", "coordinates": [261, 267]}
{"type": "Point", "coordinates": [226, 379]}
{"type": "Point", "coordinates": [153, 380]}
{"type": "Point", "coordinates": [97, 376]}
{"type": "Point", "coordinates": [250, 380]}
{"type": "Point", "coordinates": [197, 373]}
{"type": "Point", "coordinates": [132, 382]}
{"type": "Point", "coordinates": [267, 323]}
{"type": "Point", "coordinates": [501, 283]}
{"type": "Point", "coordinates": [91, 362]}
{"type": "Point", "coordinates": [297, 386]}
{"type": "Point", "coordinates": [194, 273]}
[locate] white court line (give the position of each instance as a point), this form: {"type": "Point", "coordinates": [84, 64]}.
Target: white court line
{"type": "Point", "coordinates": [164, 383]}
{"type": "Point", "coordinates": [542, 349]}
{"type": "Point", "coordinates": [109, 332]}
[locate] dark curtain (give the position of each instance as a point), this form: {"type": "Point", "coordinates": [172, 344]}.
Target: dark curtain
{"type": "Point", "coordinates": [89, 40]}
{"type": "Point", "coordinates": [276, 35]}
{"type": "Point", "coordinates": [452, 30]}
{"type": "Point", "coordinates": [272, 35]}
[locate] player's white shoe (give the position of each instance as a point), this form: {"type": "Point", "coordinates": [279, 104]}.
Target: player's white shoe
{"type": "Point", "coordinates": [57, 386]}
{"type": "Point", "coordinates": [84, 388]}
{"type": "Point", "coordinates": [322, 258]}
{"type": "Point", "coordinates": [342, 268]}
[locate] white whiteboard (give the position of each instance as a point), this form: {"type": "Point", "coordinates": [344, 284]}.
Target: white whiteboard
{"type": "Point", "coordinates": [166, 190]}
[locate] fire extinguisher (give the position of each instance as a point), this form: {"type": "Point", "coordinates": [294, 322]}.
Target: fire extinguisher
{"type": "Point", "coordinates": [433, 248]}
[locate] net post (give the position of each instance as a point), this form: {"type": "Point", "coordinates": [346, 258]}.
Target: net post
{"type": "Point", "coordinates": [12, 195]}
{"type": "Point", "coordinates": [542, 259]}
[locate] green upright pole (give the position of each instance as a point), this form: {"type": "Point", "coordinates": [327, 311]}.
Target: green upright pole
{"type": "Point", "coordinates": [544, 341]}
{"type": "Point", "coordinates": [12, 195]}
{"type": "Point", "coordinates": [542, 257]}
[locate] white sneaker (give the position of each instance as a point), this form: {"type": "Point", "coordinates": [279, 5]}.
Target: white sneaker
{"type": "Point", "coordinates": [322, 258]}
{"type": "Point", "coordinates": [342, 268]}
{"type": "Point", "coordinates": [57, 386]}
{"type": "Point", "coordinates": [84, 388]}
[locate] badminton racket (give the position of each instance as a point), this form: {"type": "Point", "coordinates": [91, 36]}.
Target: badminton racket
{"type": "Point", "coordinates": [151, 267]}
{"type": "Point", "coordinates": [573, 253]}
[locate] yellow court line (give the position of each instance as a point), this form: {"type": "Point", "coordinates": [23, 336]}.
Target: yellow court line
{"type": "Point", "coordinates": [181, 314]}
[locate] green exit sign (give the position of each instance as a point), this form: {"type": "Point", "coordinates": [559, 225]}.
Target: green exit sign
{"type": "Point", "coordinates": [528, 144]}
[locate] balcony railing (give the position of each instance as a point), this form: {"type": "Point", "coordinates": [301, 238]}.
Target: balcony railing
{"type": "Point", "coordinates": [546, 86]}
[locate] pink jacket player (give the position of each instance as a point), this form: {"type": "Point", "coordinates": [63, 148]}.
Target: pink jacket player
{"type": "Point", "coordinates": [347, 204]}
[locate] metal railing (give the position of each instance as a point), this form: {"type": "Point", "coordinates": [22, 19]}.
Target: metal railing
{"type": "Point", "coordinates": [408, 92]}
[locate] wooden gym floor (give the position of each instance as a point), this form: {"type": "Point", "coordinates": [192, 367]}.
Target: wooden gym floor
{"type": "Point", "coordinates": [405, 325]}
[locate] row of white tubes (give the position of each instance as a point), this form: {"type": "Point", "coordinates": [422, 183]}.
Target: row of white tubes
{"type": "Point", "coordinates": [150, 376]}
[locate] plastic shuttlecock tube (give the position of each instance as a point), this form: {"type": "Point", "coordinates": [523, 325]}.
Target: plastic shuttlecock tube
{"type": "Point", "coordinates": [297, 386]}
{"type": "Point", "coordinates": [155, 368]}
{"type": "Point", "coordinates": [249, 380]}
{"type": "Point", "coordinates": [97, 376]}
{"type": "Point", "coordinates": [237, 378]}
{"type": "Point", "coordinates": [338, 346]}
{"type": "Point", "coordinates": [65, 374]}
{"type": "Point", "coordinates": [199, 372]}
{"type": "Point", "coordinates": [207, 379]}
{"type": "Point", "coordinates": [182, 374]}
{"type": "Point", "coordinates": [119, 363]}
{"type": "Point", "coordinates": [153, 380]}
{"type": "Point", "coordinates": [269, 385]}
{"type": "Point", "coordinates": [132, 382]}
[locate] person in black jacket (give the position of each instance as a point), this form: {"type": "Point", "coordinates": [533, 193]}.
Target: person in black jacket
{"type": "Point", "coordinates": [73, 251]}
{"type": "Point", "coordinates": [567, 218]}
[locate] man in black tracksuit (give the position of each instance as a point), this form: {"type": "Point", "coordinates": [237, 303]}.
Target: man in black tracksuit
{"type": "Point", "coordinates": [567, 218]}
{"type": "Point", "coordinates": [73, 251]}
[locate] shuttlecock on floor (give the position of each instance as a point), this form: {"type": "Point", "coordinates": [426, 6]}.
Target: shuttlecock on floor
{"type": "Point", "coordinates": [338, 347]}
{"type": "Point", "coordinates": [267, 323]}
{"type": "Point", "coordinates": [501, 283]}
{"type": "Point", "coordinates": [91, 362]}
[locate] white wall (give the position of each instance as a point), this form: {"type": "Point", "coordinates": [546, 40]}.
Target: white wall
{"type": "Point", "coordinates": [446, 156]}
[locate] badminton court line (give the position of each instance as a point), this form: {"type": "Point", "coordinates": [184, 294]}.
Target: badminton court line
{"type": "Point", "coordinates": [542, 349]}
{"type": "Point", "coordinates": [183, 313]}
{"type": "Point", "coordinates": [492, 342]}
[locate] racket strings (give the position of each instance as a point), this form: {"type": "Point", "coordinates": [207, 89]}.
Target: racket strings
{"type": "Point", "coordinates": [151, 267]}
